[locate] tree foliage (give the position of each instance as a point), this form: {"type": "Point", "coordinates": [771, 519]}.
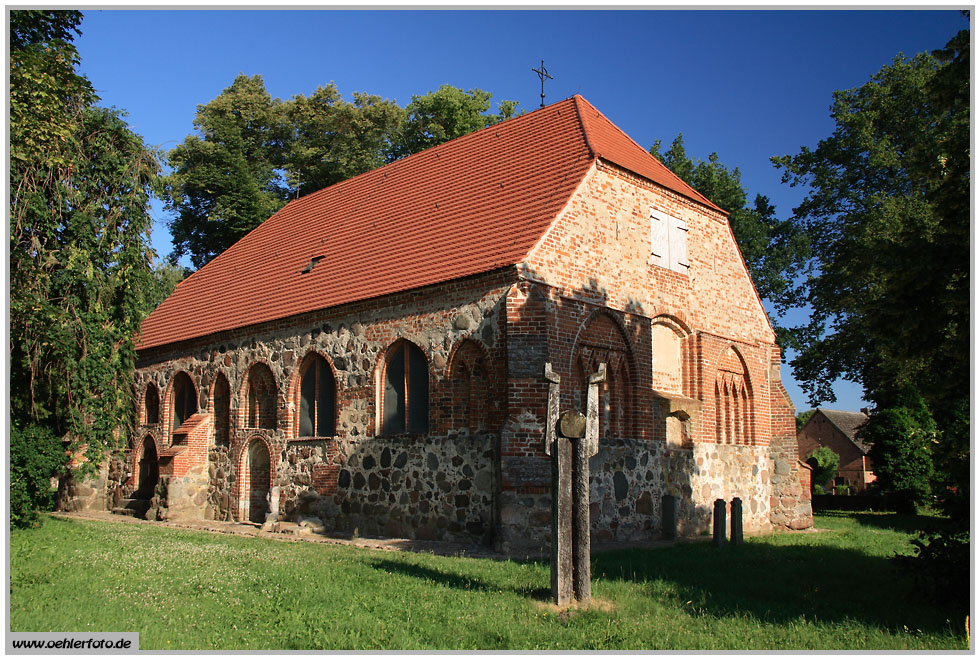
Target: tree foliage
{"type": "Point", "coordinates": [774, 250]}
{"type": "Point", "coordinates": [227, 179]}
{"type": "Point", "coordinates": [902, 436]}
{"type": "Point", "coordinates": [825, 461]}
{"type": "Point", "coordinates": [80, 182]}
{"type": "Point", "coordinates": [888, 215]}
{"type": "Point", "coordinates": [445, 114]}
{"type": "Point", "coordinates": [252, 153]}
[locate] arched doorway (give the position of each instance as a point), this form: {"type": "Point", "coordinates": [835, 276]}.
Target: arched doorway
{"type": "Point", "coordinates": [259, 481]}
{"type": "Point", "coordinates": [148, 471]}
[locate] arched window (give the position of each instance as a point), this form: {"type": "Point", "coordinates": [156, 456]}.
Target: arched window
{"type": "Point", "coordinates": [405, 398]}
{"type": "Point", "coordinates": [151, 405]}
{"type": "Point", "coordinates": [184, 399]}
{"type": "Point", "coordinates": [260, 398]}
{"type": "Point", "coordinates": [733, 409]}
{"type": "Point", "coordinates": [667, 361]}
{"type": "Point", "coordinates": [222, 410]}
{"type": "Point", "coordinates": [317, 396]}
{"type": "Point", "coordinates": [602, 341]}
{"type": "Point", "coordinates": [471, 387]}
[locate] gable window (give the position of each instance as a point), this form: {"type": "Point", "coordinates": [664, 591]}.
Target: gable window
{"type": "Point", "coordinates": [316, 404]}
{"type": "Point", "coordinates": [405, 399]}
{"type": "Point", "coordinates": [668, 242]}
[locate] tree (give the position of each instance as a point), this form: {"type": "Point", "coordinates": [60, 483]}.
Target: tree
{"type": "Point", "coordinates": [80, 183]}
{"type": "Point", "coordinates": [889, 280]}
{"type": "Point", "coordinates": [901, 436]}
{"type": "Point", "coordinates": [888, 216]}
{"type": "Point", "coordinates": [774, 250]}
{"type": "Point", "coordinates": [332, 140]}
{"type": "Point", "coordinates": [825, 462]}
{"type": "Point", "coordinates": [227, 179]}
{"type": "Point", "coordinates": [444, 114]}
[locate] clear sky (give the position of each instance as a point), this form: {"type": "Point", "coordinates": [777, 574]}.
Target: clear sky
{"type": "Point", "coordinates": [748, 85]}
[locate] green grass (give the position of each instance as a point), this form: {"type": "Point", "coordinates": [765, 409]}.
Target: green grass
{"type": "Point", "coordinates": [834, 589]}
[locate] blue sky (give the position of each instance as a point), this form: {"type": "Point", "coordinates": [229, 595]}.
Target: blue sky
{"type": "Point", "coordinates": [748, 85]}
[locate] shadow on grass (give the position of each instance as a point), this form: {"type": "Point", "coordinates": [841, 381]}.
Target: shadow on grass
{"type": "Point", "coordinates": [900, 522]}
{"type": "Point", "coordinates": [774, 584]}
{"type": "Point", "coordinates": [779, 584]}
{"type": "Point", "coordinates": [459, 580]}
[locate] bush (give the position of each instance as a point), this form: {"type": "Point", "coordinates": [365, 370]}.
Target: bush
{"type": "Point", "coordinates": [825, 462]}
{"type": "Point", "coordinates": [941, 565]}
{"type": "Point", "coordinates": [818, 490]}
{"type": "Point", "coordinates": [36, 456]}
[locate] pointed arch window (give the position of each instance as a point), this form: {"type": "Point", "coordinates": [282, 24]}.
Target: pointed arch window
{"type": "Point", "coordinates": [317, 397]}
{"type": "Point", "coordinates": [222, 410]}
{"type": "Point", "coordinates": [184, 399]}
{"type": "Point", "coordinates": [405, 397]}
{"type": "Point", "coordinates": [733, 406]}
{"type": "Point", "coordinates": [260, 398]}
{"type": "Point", "coordinates": [151, 405]}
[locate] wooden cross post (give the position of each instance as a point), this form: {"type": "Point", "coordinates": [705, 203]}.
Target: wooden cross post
{"type": "Point", "coordinates": [571, 572]}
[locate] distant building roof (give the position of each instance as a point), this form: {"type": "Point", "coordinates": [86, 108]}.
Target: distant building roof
{"type": "Point", "coordinates": [468, 206]}
{"type": "Point", "coordinates": [848, 423]}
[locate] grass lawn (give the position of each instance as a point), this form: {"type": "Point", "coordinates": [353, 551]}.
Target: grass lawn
{"type": "Point", "coordinates": [834, 589]}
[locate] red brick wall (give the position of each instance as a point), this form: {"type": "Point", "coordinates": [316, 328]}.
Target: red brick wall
{"type": "Point", "coordinates": [820, 431]}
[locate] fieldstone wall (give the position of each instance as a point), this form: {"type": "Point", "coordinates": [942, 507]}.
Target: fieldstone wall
{"type": "Point", "coordinates": [417, 487]}
{"type": "Point", "coordinates": [221, 478]}
{"type": "Point", "coordinates": [628, 481]}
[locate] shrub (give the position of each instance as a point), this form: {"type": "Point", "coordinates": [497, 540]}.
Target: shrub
{"type": "Point", "coordinates": [941, 565]}
{"type": "Point", "coordinates": [36, 456]}
{"type": "Point", "coordinates": [825, 462]}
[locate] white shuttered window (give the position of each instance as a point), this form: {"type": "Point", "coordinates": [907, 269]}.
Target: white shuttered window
{"type": "Point", "coordinates": [668, 242]}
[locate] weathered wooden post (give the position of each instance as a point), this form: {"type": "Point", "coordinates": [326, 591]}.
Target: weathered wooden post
{"type": "Point", "coordinates": [571, 572]}
{"type": "Point", "coordinates": [668, 514]}
{"type": "Point", "coordinates": [736, 537]}
{"type": "Point", "coordinates": [581, 532]}
{"type": "Point", "coordinates": [560, 450]}
{"type": "Point", "coordinates": [719, 527]}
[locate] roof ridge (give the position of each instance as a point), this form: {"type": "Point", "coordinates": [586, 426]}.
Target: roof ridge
{"type": "Point", "coordinates": [578, 100]}
{"type": "Point", "coordinates": [679, 184]}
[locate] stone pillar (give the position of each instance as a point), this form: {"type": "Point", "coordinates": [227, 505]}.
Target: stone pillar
{"type": "Point", "coordinates": [668, 517]}
{"type": "Point", "coordinates": [736, 536]}
{"type": "Point", "coordinates": [719, 523]}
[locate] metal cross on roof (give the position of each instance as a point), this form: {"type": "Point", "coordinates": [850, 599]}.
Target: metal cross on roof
{"type": "Point", "coordinates": [542, 74]}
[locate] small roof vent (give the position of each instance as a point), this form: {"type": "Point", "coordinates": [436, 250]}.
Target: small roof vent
{"type": "Point", "coordinates": [310, 266]}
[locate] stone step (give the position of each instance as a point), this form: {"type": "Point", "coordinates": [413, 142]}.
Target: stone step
{"type": "Point", "coordinates": [132, 507]}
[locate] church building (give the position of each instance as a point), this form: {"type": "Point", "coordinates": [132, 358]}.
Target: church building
{"type": "Point", "coordinates": [372, 356]}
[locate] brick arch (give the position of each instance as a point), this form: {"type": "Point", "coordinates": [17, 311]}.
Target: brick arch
{"type": "Point", "coordinates": [733, 399]}
{"type": "Point", "coordinates": [294, 391]}
{"type": "Point", "coordinates": [184, 405]}
{"type": "Point", "coordinates": [247, 480]}
{"type": "Point", "coordinates": [602, 337]}
{"type": "Point", "coordinates": [412, 402]}
{"type": "Point", "coordinates": [259, 398]}
{"type": "Point", "coordinates": [220, 408]}
{"type": "Point", "coordinates": [472, 384]}
{"type": "Point", "coordinates": [670, 373]}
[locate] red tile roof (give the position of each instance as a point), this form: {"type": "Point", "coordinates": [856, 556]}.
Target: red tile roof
{"type": "Point", "coordinates": [467, 206]}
